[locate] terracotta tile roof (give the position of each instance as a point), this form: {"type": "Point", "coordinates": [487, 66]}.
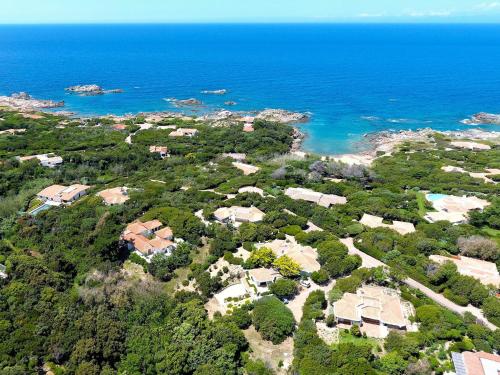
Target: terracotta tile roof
{"type": "Point", "coordinates": [153, 224]}
{"type": "Point", "coordinates": [116, 195]}
{"type": "Point", "coordinates": [480, 363]}
{"type": "Point", "coordinates": [52, 191]}
{"type": "Point", "coordinates": [165, 233]}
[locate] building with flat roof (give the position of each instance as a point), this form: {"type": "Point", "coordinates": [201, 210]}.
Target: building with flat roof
{"type": "Point", "coordinates": [263, 277]}
{"type": "Point", "coordinates": [485, 272]}
{"type": "Point", "coordinates": [480, 363]}
{"type": "Point", "coordinates": [59, 194]}
{"type": "Point", "coordinates": [46, 160]}
{"type": "Point", "coordinates": [325, 200]}
{"type": "Point", "coordinates": [376, 306]}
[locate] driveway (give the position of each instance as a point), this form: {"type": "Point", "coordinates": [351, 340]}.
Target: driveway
{"type": "Point", "coordinates": [368, 261]}
{"type": "Point", "coordinates": [297, 303]}
{"type": "Point", "coordinates": [371, 262]}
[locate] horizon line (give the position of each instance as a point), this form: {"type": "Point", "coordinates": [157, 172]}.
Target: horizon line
{"type": "Point", "coordinates": [305, 22]}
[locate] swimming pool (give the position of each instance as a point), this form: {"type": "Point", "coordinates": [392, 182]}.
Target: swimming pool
{"type": "Point", "coordinates": [435, 197]}
{"type": "Point", "coordinates": [41, 208]}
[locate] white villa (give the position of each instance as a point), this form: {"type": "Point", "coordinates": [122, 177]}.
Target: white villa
{"type": "Point", "coordinates": [379, 309]}
{"type": "Point", "coordinates": [305, 256]}
{"type": "Point", "coordinates": [118, 195]}
{"type": "Point", "coordinates": [162, 150]}
{"type": "Point", "coordinates": [325, 200]}
{"type": "Point", "coordinates": [238, 215]}
{"type": "Point", "coordinates": [485, 272]}
{"type": "Point", "coordinates": [46, 160]}
{"type": "Point", "coordinates": [56, 195]}
{"type": "Point", "coordinates": [184, 132]}
{"type": "Point", "coordinates": [401, 227]}
{"type": "Point", "coordinates": [453, 208]}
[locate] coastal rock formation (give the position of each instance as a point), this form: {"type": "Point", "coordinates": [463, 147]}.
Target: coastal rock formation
{"type": "Point", "coordinates": [217, 116]}
{"type": "Point", "coordinates": [214, 92]}
{"type": "Point", "coordinates": [25, 102]}
{"type": "Point", "coordinates": [91, 90]}
{"type": "Point", "coordinates": [184, 102]}
{"type": "Point", "coordinates": [483, 118]}
{"type": "Point", "coordinates": [298, 137]}
{"type": "Point", "coordinates": [282, 116]}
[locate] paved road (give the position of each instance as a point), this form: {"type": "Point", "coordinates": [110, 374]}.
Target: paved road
{"type": "Point", "coordinates": [371, 262]}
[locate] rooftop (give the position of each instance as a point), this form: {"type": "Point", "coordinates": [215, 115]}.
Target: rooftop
{"type": "Point", "coordinates": [401, 227]}
{"type": "Point", "coordinates": [485, 272]}
{"type": "Point", "coordinates": [325, 200]}
{"type": "Point", "coordinates": [263, 275]}
{"type": "Point", "coordinates": [239, 214]}
{"type": "Point", "coordinates": [374, 303]}
{"type": "Point", "coordinates": [251, 189]}
{"type": "Point", "coordinates": [118, 195]}
{"type": "Point", "coordinates": [480, 363]}
{"type": "Point", "coordinates": [305, 256]}
{"type": "Point", "coordinates": [181, 132]}
{"type": "Point", "coordinates": [454, 208]}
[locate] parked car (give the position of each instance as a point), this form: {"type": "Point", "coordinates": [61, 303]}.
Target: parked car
{"type": "Point", "coordinates": [286, 301]}
{"type": "Point", "coordinates": [305, 283]}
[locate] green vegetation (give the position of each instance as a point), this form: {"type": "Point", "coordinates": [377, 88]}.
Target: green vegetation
{"type": "Point", "coordinates": [77, 300]}
{"type": "Point", "coordinates": [273, 320]}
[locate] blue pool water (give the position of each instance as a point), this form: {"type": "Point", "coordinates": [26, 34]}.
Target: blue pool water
{"type": "Point", "coordinates": [435, 197]}
{"type": "Point", "coordinates": [354, 79]}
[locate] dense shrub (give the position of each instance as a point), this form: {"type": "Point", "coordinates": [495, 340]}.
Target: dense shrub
{"type": "Point", "coordinates": [273, 320]}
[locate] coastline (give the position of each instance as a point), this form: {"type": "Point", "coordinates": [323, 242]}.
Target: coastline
{"type": "Point", "coordinates": [374, 144]}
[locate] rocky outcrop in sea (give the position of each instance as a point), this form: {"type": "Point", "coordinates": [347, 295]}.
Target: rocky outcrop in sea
{"type": "Point", "coordinates": [25, 102]}
{"type": "Point", "coordinates": [482, 118]}
{"type": "Point", "coordinates": [214, 92]}
{"type": "Point", "coordinates": [91, 90]}
{"type": "Point", "coordinates": [282, 116]}
{"type": "Point", "coordinates": [184, 102]}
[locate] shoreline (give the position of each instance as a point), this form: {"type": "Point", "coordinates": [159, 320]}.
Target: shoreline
{"type": "Point", "coordinates": [374, 144]}
{"type": "Point", "coordinates": [385, 142]}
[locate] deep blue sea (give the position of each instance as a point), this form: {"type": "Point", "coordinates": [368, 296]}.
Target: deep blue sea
{"type": "Point", "coordinates": [354, 79]}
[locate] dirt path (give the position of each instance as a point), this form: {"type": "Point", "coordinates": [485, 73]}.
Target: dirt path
{"type": "Point", "coordinates": [271, 354]}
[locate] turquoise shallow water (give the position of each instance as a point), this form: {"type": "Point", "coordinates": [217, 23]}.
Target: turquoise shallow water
{"type": "Point", "coordinates": [354, 79]}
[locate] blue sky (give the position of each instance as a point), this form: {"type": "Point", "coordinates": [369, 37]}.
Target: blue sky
{"type": "Point", "coordinates": [98, 11]}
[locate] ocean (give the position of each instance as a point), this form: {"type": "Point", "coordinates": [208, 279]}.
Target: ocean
{"type": "Point", "coordinates": [354, 79]}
